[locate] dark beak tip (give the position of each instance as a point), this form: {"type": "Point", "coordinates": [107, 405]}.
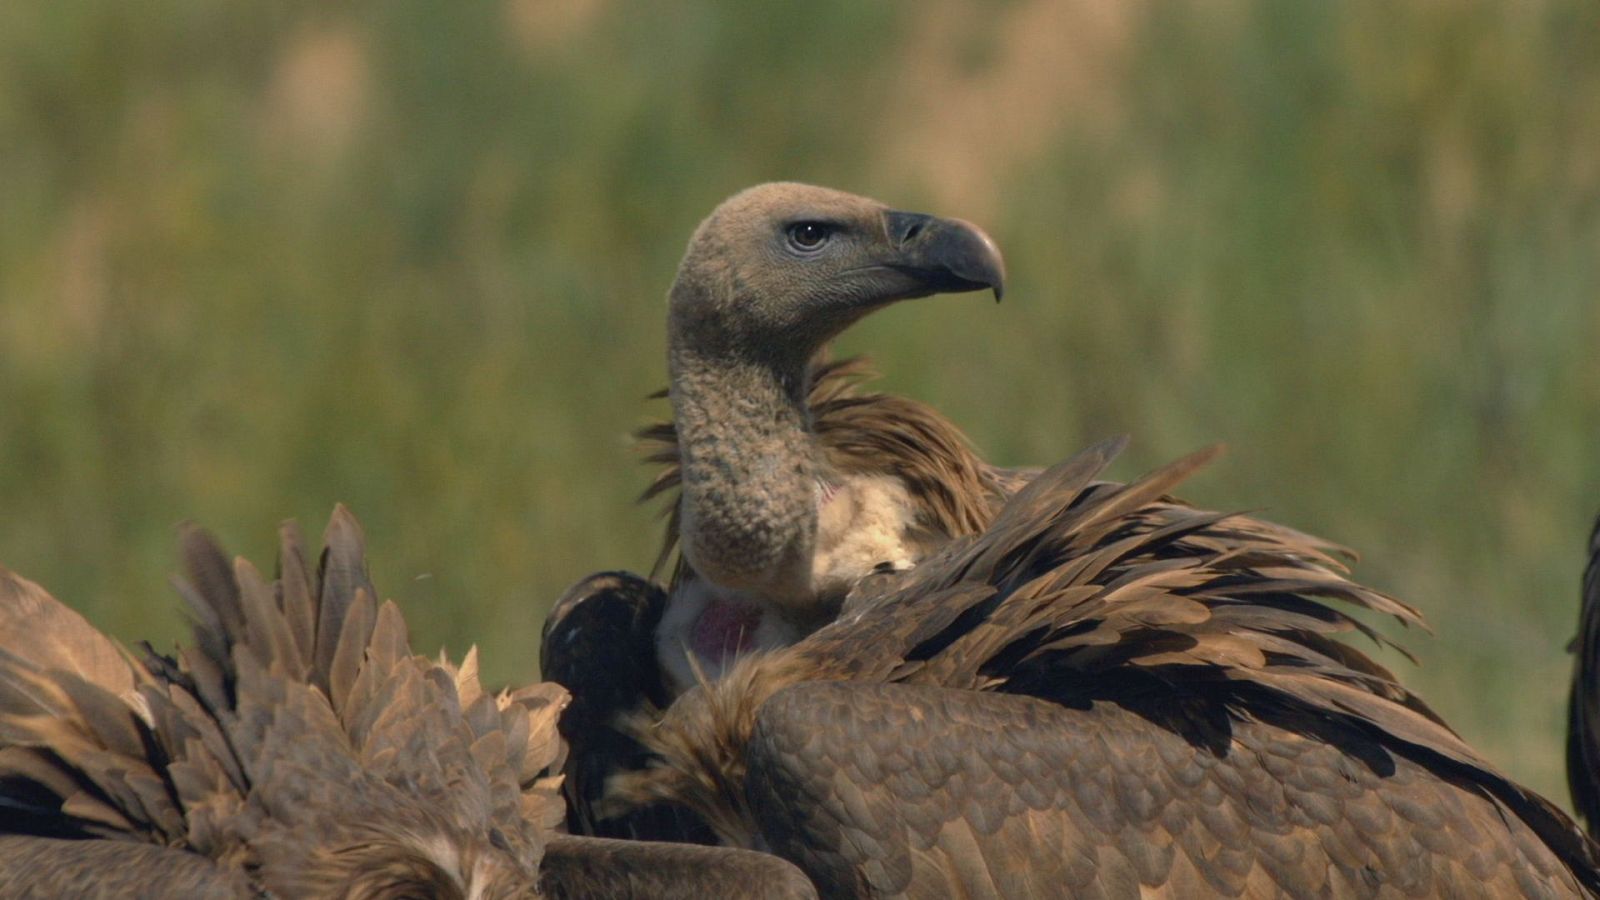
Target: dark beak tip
{"type": "Point", "coordinates": [988, 263]}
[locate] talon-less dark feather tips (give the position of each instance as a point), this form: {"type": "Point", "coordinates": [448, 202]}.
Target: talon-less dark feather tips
{"type": "Point", "coordinates": [298, 748]}
{"type": "Point", "coordinates": [1583, 699]}
{"type": "Point", "coordinates": [1106, 694]}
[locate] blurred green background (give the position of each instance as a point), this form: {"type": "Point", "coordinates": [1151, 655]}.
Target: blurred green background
{"type": "Point", "coordinates": [256, 258]}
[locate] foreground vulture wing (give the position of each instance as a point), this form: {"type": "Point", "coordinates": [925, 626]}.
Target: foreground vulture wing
{"type": "Point", "coordinates": [297, 749]}
{"type": "Point", "coordinates": [1105, 695]}
{"type": "Point", "coordinates": [599, 643]}
{"type": "Point", "coordinates": [1583, 702]}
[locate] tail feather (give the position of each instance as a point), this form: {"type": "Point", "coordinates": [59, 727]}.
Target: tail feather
{"type": "Point", "coordinates": [76, 743]}
{"type": "Point", "coordinates": [341, 577]}
{"type": "Point", "coordinates": [296, 593]}
{"type": "Point", "coordinates": [267, 627]}
{"type": "Point", "coordinates": [59, 638]}
{"type": "Point", "coordinates": [210, 593]}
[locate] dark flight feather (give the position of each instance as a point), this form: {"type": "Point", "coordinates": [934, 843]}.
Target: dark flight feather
{"type": "Point", "coordinates": [1583, 701]}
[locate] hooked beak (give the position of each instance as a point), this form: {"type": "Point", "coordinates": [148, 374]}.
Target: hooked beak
{"type": "Point", "coordinates": [946, 256]}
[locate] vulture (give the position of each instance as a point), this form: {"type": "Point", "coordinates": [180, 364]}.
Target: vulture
{"type": "Point", "coordinates": [297, 748]}
{"type": "Point", "coordinates": [1102, 694]}
{"type": "Point", "coordinates": [913, 674]}
{"type": "Point", "coordinates": [1583, 701]}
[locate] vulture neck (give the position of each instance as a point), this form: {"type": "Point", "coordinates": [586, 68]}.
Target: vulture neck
{"type": "Point", "coordinates": [750, 467]}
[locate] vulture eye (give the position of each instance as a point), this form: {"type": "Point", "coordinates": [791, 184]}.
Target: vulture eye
{"type": "Point", "coordinates": [808, 236]}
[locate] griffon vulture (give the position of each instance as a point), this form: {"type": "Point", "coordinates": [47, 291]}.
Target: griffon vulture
{"type": "Point", "coordinates": [1098, 692]}
{"type": "Point", "coordinates": [297, 749]}
{"type": "Point", "coordinates": [1104, 694]}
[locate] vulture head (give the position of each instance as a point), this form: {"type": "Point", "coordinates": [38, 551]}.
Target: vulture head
{"type": "Point", "coordinates": [779, 269]}
{"type": "Point", "coordinates": [772, 529]}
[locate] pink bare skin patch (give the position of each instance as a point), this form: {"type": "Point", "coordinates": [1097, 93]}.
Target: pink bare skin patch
{"type": "Point", "coordinates": [825, 492]}
{"type": "Point", "coordinates": [725, 630]}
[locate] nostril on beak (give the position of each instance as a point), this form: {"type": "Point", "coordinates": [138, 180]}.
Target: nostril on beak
{"type": "Point", "coordinates": [905, 227]}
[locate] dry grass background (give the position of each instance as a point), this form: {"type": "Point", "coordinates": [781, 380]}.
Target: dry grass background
{"type": "Point", "coordinates": [258, 258]}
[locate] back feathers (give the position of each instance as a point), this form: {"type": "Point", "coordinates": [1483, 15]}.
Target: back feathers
{"type": "Point", "coordinates": [1080, 590]}
{"type": "Point", "coordinates": [298, 739]}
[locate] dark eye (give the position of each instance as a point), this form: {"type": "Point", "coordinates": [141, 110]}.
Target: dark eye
{"type": "Point", "coordinates": [809, 235]}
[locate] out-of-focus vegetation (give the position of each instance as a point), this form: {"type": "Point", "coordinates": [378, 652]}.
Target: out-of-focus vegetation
{"type": "Point", "coordinates": [256, 258]}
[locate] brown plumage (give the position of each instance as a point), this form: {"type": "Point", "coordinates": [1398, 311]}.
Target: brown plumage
{"type": "Point", "coordinates": [1583, 699]}
{"type": "Point", "coordinates": [297, 749]}
{"type": "Point", "coordinates": [600, 643]}
{"type": "Point", "coordinates": [601, 869]}
{"type": "Point", "coordinates": [1105, 694]}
